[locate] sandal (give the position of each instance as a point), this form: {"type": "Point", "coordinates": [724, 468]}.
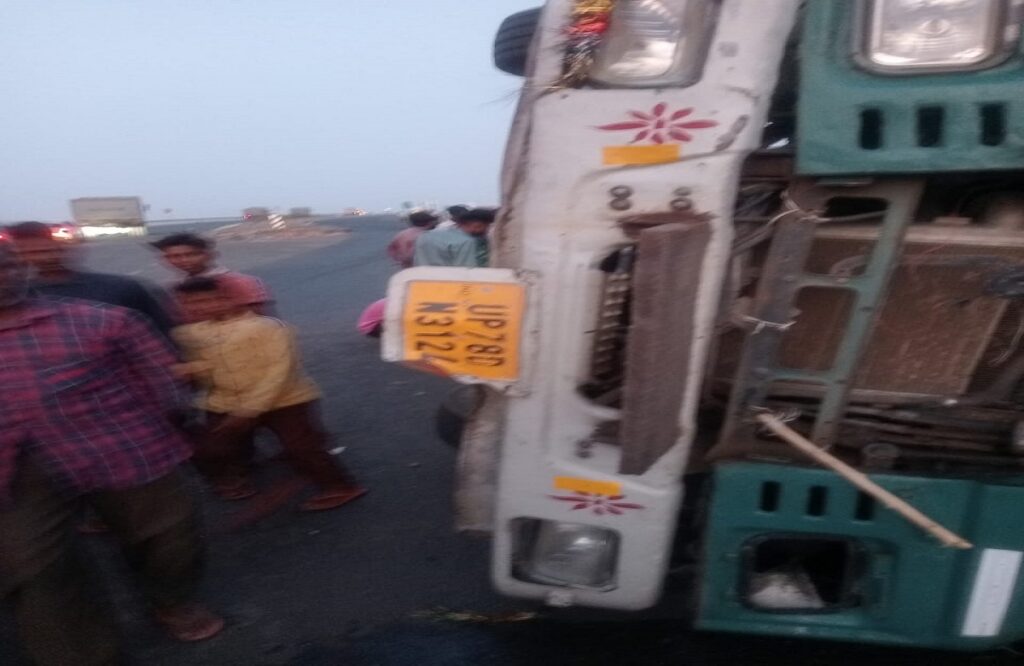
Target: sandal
{"type": "Point", "coordinates": [190, 623]}
{"type": "Point", "coordinates": [332, 499]}
{"type": "Point", "coordinates": [270, 500]}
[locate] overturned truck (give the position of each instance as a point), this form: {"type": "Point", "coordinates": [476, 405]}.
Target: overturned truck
{"type": "Point", "coordinates": [716, 211]}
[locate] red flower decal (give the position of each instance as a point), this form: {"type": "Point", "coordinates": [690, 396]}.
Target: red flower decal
{"type": "Point", "coordinates": [658, 127]}
{"type": "Point", "coordinates": [598, 504]}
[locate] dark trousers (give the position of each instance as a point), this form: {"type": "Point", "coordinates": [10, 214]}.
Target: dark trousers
{"type": "Point", "coordinates": [224, 456]}
{"type": "Point", "coordinates": [60, 621]}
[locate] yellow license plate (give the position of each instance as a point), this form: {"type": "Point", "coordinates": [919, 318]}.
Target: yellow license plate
{"type": "Point", "coordinates": [464, 328]}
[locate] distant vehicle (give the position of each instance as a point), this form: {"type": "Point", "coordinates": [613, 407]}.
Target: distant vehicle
{"type": "Point", "coordinates": [65, 231]}
{"type": "Point", "coordinates": [353, 212]}
{"type": "Point", "coordinates": [105, 216]}
{"type": "Point", "coordinates": [256, 214]}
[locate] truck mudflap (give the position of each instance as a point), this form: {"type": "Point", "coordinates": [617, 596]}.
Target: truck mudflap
{"type": "Point", "coordinates": [469, 324]}
{"type": "Point", "coordinates": [798, 552]}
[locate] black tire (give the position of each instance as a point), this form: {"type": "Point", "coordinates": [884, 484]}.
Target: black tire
{"type": "Point", "coordinates": [449, 426]}
{"type": "Point", "coordinates": [451, 417]}
{"type": "Point", "coordinates": [512, 43]}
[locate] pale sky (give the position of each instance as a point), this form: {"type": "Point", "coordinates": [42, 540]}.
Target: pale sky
{"type": "Point", "coordinates": [209, 106]}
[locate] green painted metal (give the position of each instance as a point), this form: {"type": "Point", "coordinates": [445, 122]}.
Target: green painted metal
{"type": "Point", "coordinates": [909, 591]}
{"type": "Point", "coordinates": [834, 92]}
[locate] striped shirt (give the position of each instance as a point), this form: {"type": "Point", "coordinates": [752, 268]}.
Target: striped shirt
{"type": "Point", "coordinates": [87, 395]}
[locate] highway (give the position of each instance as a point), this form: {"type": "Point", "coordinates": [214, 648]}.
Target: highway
{"type": "Point", "coordinates": [371, 584]}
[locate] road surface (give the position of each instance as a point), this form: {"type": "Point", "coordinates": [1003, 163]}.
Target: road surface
{"type": "Point", "coordinates": [369, 584]}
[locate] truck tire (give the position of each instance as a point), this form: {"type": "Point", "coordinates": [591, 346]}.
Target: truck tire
{"type": "Point", "coordinates": [449, 426]}
{"type": "Point", "coordinates": [458, 406]}
{"type": "Point", "coordinates": [512, 43]}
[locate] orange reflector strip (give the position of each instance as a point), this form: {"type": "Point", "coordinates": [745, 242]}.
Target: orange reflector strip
{"type": "Point", "coordinates": [657, 154]}
{"type": "Point", "coordinates": [589, 486]}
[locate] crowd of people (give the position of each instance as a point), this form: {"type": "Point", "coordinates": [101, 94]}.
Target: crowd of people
{"type": "Point", "coordinates": [107, 389]}
{"type": "Point", "coordinates": [461, 240]}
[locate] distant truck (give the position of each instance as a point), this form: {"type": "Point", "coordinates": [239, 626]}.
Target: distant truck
{"type": "Point", "coordinates": [256, 214]}
{"type": "Point", "coordinates": [106, 216]}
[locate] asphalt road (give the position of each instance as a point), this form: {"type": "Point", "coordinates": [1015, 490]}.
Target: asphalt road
{"type": "Point", "coordinates": [368, 584]}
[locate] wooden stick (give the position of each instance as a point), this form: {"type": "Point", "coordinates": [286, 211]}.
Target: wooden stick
{"type": "Point", "coordinates": [862, 481]}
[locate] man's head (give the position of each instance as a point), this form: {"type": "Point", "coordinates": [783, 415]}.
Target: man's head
{"type": "Point", "coordinates": [456, 212]}
{"type": "Point", "coordinates": [423, 218]}
{"type": "Point", "coordinates": [476, 221]}
{"type": "Point", "coordinates": [13, 277]}
{"type": "Point", "coordinates": [203, 298]}
{"type": "Point", "coordinates": [36, 246]}
{"type": "Point", "coordinates": [189, 253]}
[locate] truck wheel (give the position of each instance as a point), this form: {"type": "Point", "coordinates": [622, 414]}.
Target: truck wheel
{"type": "Point", "coordinates": [512, 43]}
{"type": "Point", "coordinates": [451, 417]}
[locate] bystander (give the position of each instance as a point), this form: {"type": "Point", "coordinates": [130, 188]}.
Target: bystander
{"type": "Point", "coordinates": [249, 369]}
{"type": "Point", "coordinates": [88, 407]}
{"type": "Point", "coordinates": [402, 247]}
{"type": "Point", "coordinates": [465, 245]}
{"type": "Point", "coordinates": [56, 274]}
{"type": "Point", "coordinates": [194, 256]}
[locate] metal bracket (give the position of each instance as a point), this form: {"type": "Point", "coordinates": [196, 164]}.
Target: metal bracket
{"type": "Point", "coordinates": [782, 278]}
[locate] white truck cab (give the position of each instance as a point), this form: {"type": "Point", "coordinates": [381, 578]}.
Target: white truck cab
{"type": "Point", "coordinates": [724, 215]}
{"type": "Point", "coordinates": [642, 167]}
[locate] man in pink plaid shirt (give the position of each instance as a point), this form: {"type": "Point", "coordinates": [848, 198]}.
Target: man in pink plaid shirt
{"type": "Point", "coordinates": [88, 403]}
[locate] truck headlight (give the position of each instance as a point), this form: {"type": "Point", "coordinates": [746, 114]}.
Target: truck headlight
{"type": "Point", "coordinates": [655, 43]}
{"type": "Point", "coordinates": [911, 36]}
{"type": "Point", "coordinates": [566, 554]}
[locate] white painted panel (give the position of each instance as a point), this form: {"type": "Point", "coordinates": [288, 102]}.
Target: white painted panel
{"type": "Point", "coordinates": [994, 585]}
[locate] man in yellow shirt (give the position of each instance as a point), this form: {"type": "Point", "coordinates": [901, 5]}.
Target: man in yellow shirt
{"type": "Point", "coordinates": [251, 377]}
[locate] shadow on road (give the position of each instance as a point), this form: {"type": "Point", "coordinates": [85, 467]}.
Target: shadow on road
{"type": "Point", "coordinates": [648, 643]}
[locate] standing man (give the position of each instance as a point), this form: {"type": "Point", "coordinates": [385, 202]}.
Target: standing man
{"type": "Point", "coordinates": [465, 245]}
{"type": "Point", "coordinates": [402, 247]}
{"type": "Point", "coordinates": [454, 213]}
{"type": "Point", "coordinates": [88, 404]}
{"type": "Point", "coordinates": [57, 275]}
{"type": "Point", "coordinates": [194, 256]}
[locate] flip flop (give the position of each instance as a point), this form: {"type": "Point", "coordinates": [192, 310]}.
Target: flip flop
{"type": "Point", "coordinates": [332, 499]}
{"type": "Point", "coordinates": [268, 502]}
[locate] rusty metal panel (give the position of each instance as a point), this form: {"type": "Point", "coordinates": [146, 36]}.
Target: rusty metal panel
{"type": "Point", "coordinates": [1003, 349]}
{"type": "Point", "coordinates": [935, 325]}
{"type": "Point", "coordinates": [937, 308]}
{"type": "Point", "coordinates": [665, 281]}
{"type": "Point", "coordinates": [783, 275]}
